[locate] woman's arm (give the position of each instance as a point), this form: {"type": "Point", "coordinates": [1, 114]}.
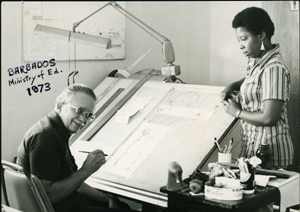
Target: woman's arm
{"type": "Point", "coordinates": [268, 117]}
{"type": "Point", "coordinates": [229, 89]}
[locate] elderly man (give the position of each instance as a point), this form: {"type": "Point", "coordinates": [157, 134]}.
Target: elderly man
{"type": "Point", "coordinates": [45, 152]}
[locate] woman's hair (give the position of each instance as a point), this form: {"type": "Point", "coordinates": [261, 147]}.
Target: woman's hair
{"type": "Point", "coordinates": [255, 20]}
{"type": "Point", "coordinates": [70, 90]}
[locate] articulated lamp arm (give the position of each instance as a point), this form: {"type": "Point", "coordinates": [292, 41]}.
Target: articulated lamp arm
{"type": "Point", "coordinates": [79, 22]}
{"type": "Point", "coordinates": [167, 47]}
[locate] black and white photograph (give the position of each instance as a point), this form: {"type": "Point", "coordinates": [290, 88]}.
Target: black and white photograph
{"type": "Point", "coordinates": [152, 106]}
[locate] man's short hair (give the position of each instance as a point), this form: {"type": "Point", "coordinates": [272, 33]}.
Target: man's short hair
{"type": "Point", "coordinates": [70, 90]}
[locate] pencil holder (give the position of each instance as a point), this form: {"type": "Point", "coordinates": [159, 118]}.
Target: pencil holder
{"type": "Point", "coordinates": [224, 157]}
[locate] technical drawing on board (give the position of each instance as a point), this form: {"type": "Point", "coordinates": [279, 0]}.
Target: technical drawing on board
{"type": "Point", "coordinates": [179, 123]}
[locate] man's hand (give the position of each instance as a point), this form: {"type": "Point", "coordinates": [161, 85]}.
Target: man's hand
{"type": "Point", "coordinates": [94, 161]}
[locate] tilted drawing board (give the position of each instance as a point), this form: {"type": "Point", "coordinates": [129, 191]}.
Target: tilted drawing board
{"type": "Point", "coordinates": [170, 122]}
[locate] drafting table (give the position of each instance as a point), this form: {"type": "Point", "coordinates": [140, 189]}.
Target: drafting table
{"type": "Point", "coordinates": [170, 122]}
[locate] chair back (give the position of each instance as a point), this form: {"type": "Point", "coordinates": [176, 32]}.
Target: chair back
{"type": "Point", "coordinates": [22, 192]}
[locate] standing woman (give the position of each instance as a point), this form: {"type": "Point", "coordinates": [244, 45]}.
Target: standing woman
{"type": "Point", "coordinates": [265, 90]}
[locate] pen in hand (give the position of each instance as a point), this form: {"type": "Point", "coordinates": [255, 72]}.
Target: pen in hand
{"type": "Point", "coordinates": [89, 152]}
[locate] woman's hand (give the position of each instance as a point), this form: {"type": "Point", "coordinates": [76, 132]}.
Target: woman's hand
{"type": "Point", "coordinates": [230, 89]}
{"type": "Point", "coordinates": [232, 107]}
{"type": "Point", "coordinates": [226, 93]}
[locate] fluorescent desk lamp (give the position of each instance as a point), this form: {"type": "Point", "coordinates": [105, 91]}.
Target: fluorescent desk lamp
{"type": "Point", "coordinates": [75, 37]}
{"type": "Point", "coordinates": [167, 48]}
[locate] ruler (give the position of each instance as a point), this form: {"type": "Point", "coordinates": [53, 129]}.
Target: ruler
{"type": "Point", "coordinates": [138, 60]}
{"type": "Point", "coordinates": [107, 89]}
{"type": "Point", "coordinates": [117, 80]}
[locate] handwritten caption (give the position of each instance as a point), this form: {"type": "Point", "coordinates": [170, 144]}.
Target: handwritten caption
{"type": "Point", "coordinates": [20, 74]}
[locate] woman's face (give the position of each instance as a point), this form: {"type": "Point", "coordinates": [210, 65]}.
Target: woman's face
{"type": "Point", "coordinates": [249, 44]}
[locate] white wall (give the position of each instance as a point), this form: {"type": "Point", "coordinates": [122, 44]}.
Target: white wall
{"type": "Point", "coordinates": [185, 24]}
{"type": "Point", "coordinates": [227, 63]}
{"type": "Point", "coordinates": [204, 42]}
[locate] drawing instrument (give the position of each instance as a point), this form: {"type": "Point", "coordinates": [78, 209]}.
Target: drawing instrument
{"type": "Point", "coordinates": [230, 146]}
{"type": "Point", "coordinates": [232, 173]}
{"type": "Point", "coordinates": [218, 146]}
{"type": "Point", "coordinates": [89, 152]}
{"type": "Point", "coordinates": [277, 173]}
{"type": "Point", "coordinates": [227, 173]}
{"type": "Point", "coordinates": [225, 149]}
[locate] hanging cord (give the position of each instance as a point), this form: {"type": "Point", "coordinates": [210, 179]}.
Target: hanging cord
{"type": "Point", "coordinates": [173, 79]}
{"type": "Point", "coordinates": [75, 72]}
{"type": "Point", "coordinates": [69, 59]}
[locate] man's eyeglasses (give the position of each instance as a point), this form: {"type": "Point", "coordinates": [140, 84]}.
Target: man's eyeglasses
{"type": "Point", "coordinates": [81, 111]}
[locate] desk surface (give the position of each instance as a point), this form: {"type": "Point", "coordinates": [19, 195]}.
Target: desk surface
{"type": "Point", "coordinates": [183, 201]}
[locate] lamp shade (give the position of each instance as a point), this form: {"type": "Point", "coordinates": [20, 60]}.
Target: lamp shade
{"type": "Point", "coordinates": [76, 37]}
